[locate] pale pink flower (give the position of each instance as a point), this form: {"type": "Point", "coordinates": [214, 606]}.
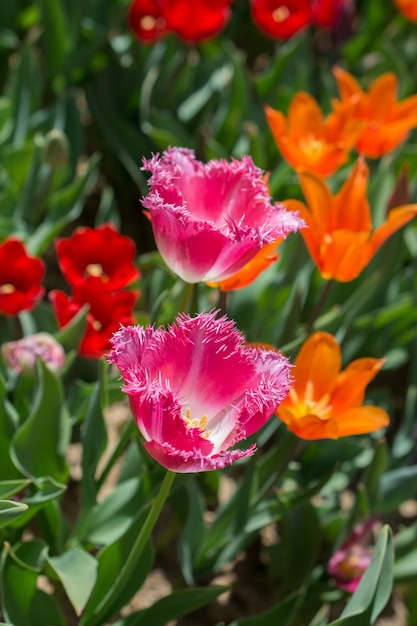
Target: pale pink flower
{"type": "Point", "coordinates": [209, 220]}
{"type": "Point", "coordinates": [350, 562]}
{"type": "Point", "coordinates": [196, 389]}
{"type": "Point", "coordinates": [21, 355]}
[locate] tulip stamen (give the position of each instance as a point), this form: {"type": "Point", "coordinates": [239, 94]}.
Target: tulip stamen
{"type": "Point", "coordinates": [6, 289]}
{"type": "Point", "coordinates": [280, 14]}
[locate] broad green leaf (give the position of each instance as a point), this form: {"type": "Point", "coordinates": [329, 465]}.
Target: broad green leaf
{"type": "Point", "coordinates": [63, 207]}
{"type": "Point", "coordinates": [70, 335]}
{"type": "Point", "coordinates": [396, 486]}
{"type": "Point", "coordinates": [22, 603]}
{"type": "Point", "coordinates": [173, 607]}
{"type": "Point", "coordinates": [7, 429]}
{"type": "Point", "coordinates": [9, 488]}
{"type": "Point", "coordinates": [108, 520]}
{"type": "Point", "coordinates": [47, 491]}
{"type": "Point", "coordinates": [111, 561]}
{"type": "Point", "coordinates": [281, 614]}
{"type": "Point", "coordinates": [94, 441]}
{"type": "Point", "coordinates": [9, 510]}
{"type": "Point", "coordinates": [77, 571]}
{"type": "Point", "coordinates": [55, 35]}
{"type": "Point", "coordinates": [39, 445]}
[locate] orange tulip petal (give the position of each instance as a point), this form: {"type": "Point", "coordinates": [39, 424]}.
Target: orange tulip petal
{"type": "Point", "coordinates": [311, 427]}
{"type": "Point", "coordinates": [317, 366]}
{"type": "Point", "coordinates": [396, 218]}
{"type": "Point", "coordinates": [318, 197]}
{"type": "Point", "coordinates": [348, 86]}
{"type": "Point", "coordinates": [361, 420]}
{"type": "Point", "coordinates": [250, 272]}
{"type": "Point", "coordinates": [312, 233]}
{"type": "Point", "coordinates": [344, 254]}
{"type": "Point", "coordinates": [277, 123]}
{"type": "Point", "coordinates": [350, 206]}
{"type": "Point", "coordinates": [305, 116]}
{"type": "Point", "coordinates": [349, 390]}
{"type": "Point", "coordinates": [383, 95]}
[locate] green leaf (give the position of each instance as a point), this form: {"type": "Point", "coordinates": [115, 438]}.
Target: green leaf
{"type": "Point", "coordinates": [173, 606]}
{"type": "Point", "coordinates": [299, 547]}
{"type": "Point", "coordinates": [63, 207]}
{"type": "Point", "coordinates": [396, 486]}
{"type": "Point", "coordinates": [39, 445]}
{"type": "Point", "coordinates": [55, 35]}
{"type": "Point", "coordinates": [48, 491]}
{"type": "Point", "coordinates": [108, 520]}
{"type": "Point", "coordinates": [94, 441]}
{"type": "Point", "coordinates": [110, 565]}
{"type": "Point", "coordinates": [21, 602]}
{"type": "Point", "coordinates": [375, 587]}
{"type": "Point", "coordinates": [9, 488]}
{"type": "Point", "coordinates": [281, 614]}
{"type": "Point", "coordinates": [77, 571]}
{"type": "Point", "coordinates": [9, 510]}
{"type": "Point", "coordinates": [71, 334]}
{"type": "Point", "coordinates": [7, 429]}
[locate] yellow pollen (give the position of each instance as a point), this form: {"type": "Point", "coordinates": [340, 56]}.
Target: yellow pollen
{"type": "Point", "coordinates": [148, 22]}
{"type": "Point", "coordinates": [97, 325]}
{"type": "Point", "coordinates": [308, 406]}
{"type": "Point", "coordinates": [280, 14]}
{"type": "Point", "coordinates": [312, 146]}
{"type": "Point", "coordinates": [196, 423]}
{"type": "Point", "coordinates": [95, 270]}
{"type": "Point", "coordinates": [6, 289]}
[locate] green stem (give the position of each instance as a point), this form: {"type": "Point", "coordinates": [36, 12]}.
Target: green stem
{"type": "Point", "coordinates": [189, 298]}
{"type": "Point", "coordinates": [136, 552]}
{"type": "Point", "coordinates": [223, 301]}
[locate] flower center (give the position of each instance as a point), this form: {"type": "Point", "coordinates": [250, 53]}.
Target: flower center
{"type": "Point", "coordinates": [6, 289]}
{"type": "Point", "coordinates": [312, 146]}
{"type": "Point", "coordinates": [96, 271]}
{"type": "Point", "coordinates": [197, 423]}
{"type": "Point", "coordinates": [309, 406]}
{"type": "Point", "coordinates": [148, 22]}
{"type": "Point", "coordinates": [280, 14]}
{"type": "Point", "coordinates": [97, 325]}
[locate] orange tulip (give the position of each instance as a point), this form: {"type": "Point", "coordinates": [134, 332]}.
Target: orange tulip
{"type": "Point", "coordinates": [325, 402]}
{"type": "Point", "coordinates": [265, 257]}
{"type": "Point", "coordinates": [308, 141]}
{"type": "Point", "coordinates": [339, 236]}
{"type": "Point", "coordinates": [386, 122]}
{"type": "Point", "coordinates": [408, 8]}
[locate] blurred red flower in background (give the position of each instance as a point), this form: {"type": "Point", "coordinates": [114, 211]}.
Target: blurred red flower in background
{"type": "Point", "coordinates": [98, 254]}
{"type": "Point", "coordinates": [284, 18]}
{"type": "Point", "coordinates": [20, 278]}
{"type": "Point", "coordinates": [192, 21]}
{"type": "Point", "coordinates": [106, 312]}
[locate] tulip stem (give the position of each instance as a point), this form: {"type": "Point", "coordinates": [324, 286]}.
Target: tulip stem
{"type": "Point", "coordinates": [142, 539]}
{"type": "Point", "coordinates": [189, 299]}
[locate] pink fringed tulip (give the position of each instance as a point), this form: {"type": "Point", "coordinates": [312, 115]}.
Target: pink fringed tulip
{"type": "Point", "coordinates": [350, 562]}
{"type": "Point", "coordinates": [21, 355]}
{"type": "Point", "coordinates": [209, 220]}
{"type": "Point", "coordinates": [196, 389]}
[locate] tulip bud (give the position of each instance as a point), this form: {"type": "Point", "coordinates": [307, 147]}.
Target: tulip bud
{"type": "Point", "coordinates": [56, 148]}
{"type": "Point", "coordinates": [21, 355]}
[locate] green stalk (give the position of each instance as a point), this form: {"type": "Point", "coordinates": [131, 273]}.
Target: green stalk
{"type": "Point", "coordinates": [136, 552]}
